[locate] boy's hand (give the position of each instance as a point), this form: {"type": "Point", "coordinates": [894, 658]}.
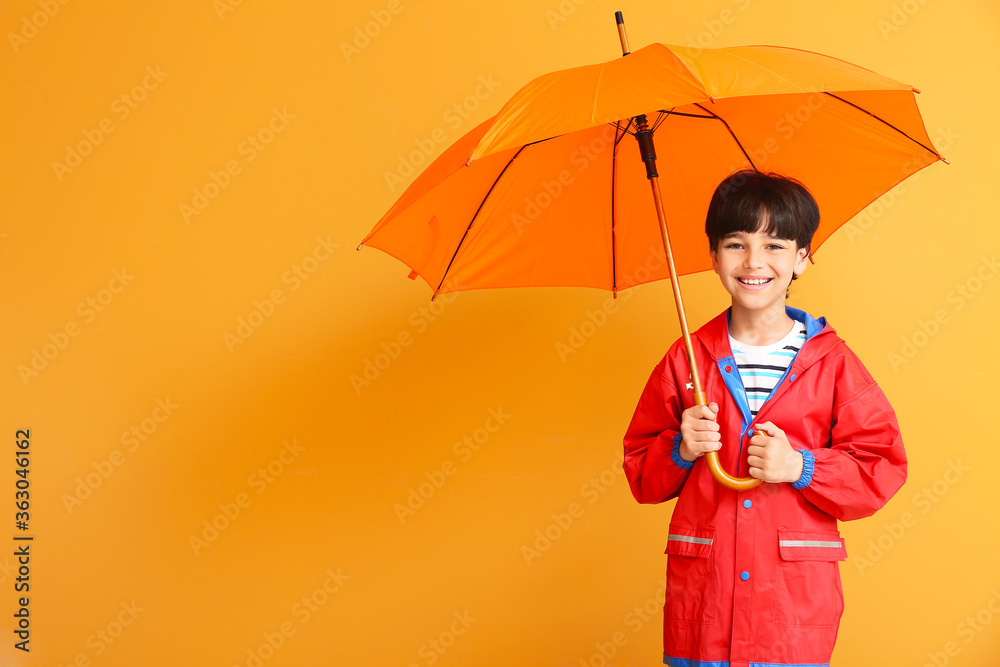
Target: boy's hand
{"type": "Point", "coordinates": [699, 431]}
{"type": "Point", "coordinates": [771, 456]}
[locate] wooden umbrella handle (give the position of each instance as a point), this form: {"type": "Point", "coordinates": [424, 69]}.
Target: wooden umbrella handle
{"type": "Point", "coordinates": [727, 480]}
{"type": "Point", "coordinates": [715, 467]}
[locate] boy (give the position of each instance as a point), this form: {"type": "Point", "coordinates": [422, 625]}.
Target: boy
{"type": "Point", "coordinates": [752, 576]}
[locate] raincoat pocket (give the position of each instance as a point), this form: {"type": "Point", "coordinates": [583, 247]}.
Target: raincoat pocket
{"type": "Point", "coordinates": [808, 592]}
{"type": "Point", "coordinates": [691, 581]}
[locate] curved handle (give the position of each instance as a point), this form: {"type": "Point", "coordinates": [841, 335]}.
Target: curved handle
{"type": "Point", "coordinates": [724, 478]}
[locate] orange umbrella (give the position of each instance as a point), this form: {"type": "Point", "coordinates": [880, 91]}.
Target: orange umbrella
{"type": "Point", "coordinates": [550, 190]}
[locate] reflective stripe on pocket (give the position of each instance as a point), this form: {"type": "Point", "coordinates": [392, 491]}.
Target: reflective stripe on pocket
{"type": "Point", "coordinates": [810, 545]}
{"type": "Point", "coordinates": [690, 541]}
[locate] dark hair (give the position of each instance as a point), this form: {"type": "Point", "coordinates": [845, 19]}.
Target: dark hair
{"type": "Point", "coordinates": [747, 197]}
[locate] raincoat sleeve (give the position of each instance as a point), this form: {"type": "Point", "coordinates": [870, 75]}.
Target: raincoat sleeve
{"type": "Point", "coordinates": [864, 464]}
{"type": "Point", "coordinates": [652, 464]}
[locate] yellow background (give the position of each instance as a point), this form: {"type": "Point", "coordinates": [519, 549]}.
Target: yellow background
{"type": "Point", "coordinates": [453, 573]}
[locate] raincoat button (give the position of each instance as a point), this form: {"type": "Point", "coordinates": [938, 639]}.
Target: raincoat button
{"type": "Point", "coordinates": [749, 431]}
{"type": "Point", "coordinates": [792, 379]}
{"type": "Point", "coordinates": [729, 369]}
{"type": "Point", "coordinates": [747, 504]}
{"type": "Point", "coordinates": [744, 575]}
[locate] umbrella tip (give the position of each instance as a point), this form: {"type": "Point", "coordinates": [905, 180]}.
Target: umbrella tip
{"type": "Point", "coordinates": [916, 90]}
{"type": "Point", "coordinates": [620, 20]}
{"type": "Point", "coordinates": [360, 246]}
{"type": "Point", "coordinates": [944, 159]}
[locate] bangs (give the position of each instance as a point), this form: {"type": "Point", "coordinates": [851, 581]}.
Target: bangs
{"type": "Point", "coordinates": [767, 217]}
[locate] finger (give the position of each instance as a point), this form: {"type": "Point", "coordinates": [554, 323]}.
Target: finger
{"type": "Point", "coordinates": [755, 450]}
{"type": "Point", "coordinates": [755, 462]}
{"type": "Point", "coordinates": [770, 429]}
{"type": "Point", "coordinates": [708, 413]}
{"type": "Point", "coordinates": [714, 407]}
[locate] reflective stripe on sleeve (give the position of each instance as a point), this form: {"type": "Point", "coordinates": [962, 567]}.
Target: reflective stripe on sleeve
{"type": "Point", "coordinates": [692, 540]}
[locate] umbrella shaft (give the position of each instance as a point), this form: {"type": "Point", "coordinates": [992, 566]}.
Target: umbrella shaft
{"type": "Point", "coordinates": [699, 395]}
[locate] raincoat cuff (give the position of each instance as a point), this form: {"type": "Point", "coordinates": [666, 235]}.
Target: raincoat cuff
{"type": "Point", "coordinates": [675, 454]}
{"type": "Point", "coordinates": [808, 467]}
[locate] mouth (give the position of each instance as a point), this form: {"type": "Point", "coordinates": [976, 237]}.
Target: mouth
{"type": "Point", "coordinates": [754, 281]}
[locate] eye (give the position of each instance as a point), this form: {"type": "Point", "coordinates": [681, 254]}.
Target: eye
{"type": "Point", "coordinates": [734, 246]}
{"type": "Point", "coordinates": [776, 246]}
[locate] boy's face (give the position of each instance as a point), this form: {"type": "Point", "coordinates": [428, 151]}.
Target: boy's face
{"type": "Point", "coordinates": [757, 268]}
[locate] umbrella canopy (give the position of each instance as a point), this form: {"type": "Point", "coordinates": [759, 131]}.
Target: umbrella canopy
{"type": "Point", "coordinates": [552, 190]}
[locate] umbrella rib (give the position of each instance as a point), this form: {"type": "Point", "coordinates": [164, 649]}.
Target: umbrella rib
{"type": "Point", "coordinates": [732, 134]}
{"type": "Point", "coordinates": [614, 191]}
{"type": "Point", "coordinates": [688, 115]}
{"type": "Point", "coordinates": [930, 150]}
{"type": "Point", "coordinates": [476, 214]}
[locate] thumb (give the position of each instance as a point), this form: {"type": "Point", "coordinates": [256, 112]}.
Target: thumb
{"type": "Point", "coordinates": [769, 428]}
{"type": "Point", "coordinates": [713, 406]}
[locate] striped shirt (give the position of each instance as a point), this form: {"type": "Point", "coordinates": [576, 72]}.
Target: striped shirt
{"type": "Point", "coordinates": [761, 366]}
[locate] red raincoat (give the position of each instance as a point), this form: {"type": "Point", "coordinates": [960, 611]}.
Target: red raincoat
{"type": "Point", "coordinates": [753, 576]}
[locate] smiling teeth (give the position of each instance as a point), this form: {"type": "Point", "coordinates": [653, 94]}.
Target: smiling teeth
{"type": "Point", "coordinates": [755, 281]}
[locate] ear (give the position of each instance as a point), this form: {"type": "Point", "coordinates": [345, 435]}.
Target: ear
{"type": "Point", "coordinates": [801, 261]}
{"type": "Point", "coordinates": [715, 260]}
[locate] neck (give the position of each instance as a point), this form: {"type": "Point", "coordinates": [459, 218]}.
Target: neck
{"type": "Point", "coordinates": [755, 327]}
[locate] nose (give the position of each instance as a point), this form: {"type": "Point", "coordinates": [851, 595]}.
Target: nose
{"type": "Point", "coordinates": [752, 258]}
